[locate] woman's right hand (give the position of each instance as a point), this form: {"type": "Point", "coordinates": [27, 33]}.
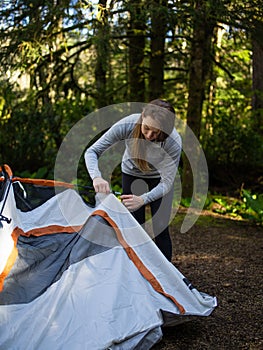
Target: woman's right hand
{"type": "Point", "coordinates": [101, 185]}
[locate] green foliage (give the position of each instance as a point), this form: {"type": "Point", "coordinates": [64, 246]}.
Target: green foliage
{"type": "Point", "coordinates": [254, 205]}
{"type": "Point", "coordinates": [22, 141]}
{"type": "Point", "coordinates": [41, 173]}
{"type": "Point", "coordinates": [227, 206]}
{"type": "Point", "coordinates": [186, 202]}
{"type": "Point", "coordinates": [229, 136]}
{"type": "Point", "coordinates": [53, 45]}
{"type": "Point", "coordinates": [247, 207]}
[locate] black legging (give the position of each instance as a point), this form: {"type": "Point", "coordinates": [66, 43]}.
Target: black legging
{"type": "Point", "coordinates": [160, 210]}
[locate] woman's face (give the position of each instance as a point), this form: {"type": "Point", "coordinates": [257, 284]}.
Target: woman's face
{"type": "Point", "coordinates": [150, 128]}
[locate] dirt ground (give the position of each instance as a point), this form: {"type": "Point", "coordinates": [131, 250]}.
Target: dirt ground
{"type": "Point", "coordinates": [223, 258]}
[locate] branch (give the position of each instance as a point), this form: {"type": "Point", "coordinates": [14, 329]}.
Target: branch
{"type": "Point", "coordinates": [223, 68]}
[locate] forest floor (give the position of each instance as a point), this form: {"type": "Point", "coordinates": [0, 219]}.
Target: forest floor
{"type": "Point", "coordinates": [221, 257]}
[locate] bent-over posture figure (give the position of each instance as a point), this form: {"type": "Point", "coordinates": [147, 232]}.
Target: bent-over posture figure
{"type": "Point", "coordinates": [149, 165]}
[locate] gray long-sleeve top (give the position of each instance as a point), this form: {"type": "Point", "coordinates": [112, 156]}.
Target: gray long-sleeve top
{"type": "Point", "coordinates": [162, 156]}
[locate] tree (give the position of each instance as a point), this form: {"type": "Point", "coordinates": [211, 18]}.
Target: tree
{"type": "Point", "coordinates": [136, 35]}
{"type": "Point", "coordinates": [102, 59]}
{"type": "Point", "coordinates": [36, 43]}
{"type": "Point", "coordinates": [78, 56]}
{"type": "Point", "coordinates": [257, 101]}
{"type": "Point", "coordinates": [158, 10]}
{"type": "Point", "coordinates": [199, 68]}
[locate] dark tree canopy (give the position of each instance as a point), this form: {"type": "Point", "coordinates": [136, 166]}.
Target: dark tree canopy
{"type": "Point", "coordinates": [62, 59]}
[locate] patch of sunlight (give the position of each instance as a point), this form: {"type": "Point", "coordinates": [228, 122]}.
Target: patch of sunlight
{"type": "Point", "coordinates": [238, 238]}
{"type": "Point", "coordinates": [198, 257]}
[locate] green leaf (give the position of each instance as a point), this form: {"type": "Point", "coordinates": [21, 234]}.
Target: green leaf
{"type": "Point", "coordinates": [253, 202]}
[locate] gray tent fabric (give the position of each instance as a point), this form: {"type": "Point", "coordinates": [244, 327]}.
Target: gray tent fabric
{"type": "Point", "coordinates": [77, 277]}
{"type": "Point", "coordinates": [43, 260]}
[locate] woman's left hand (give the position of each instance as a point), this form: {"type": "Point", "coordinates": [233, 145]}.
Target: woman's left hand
{"type": "Point", "coordinates": [131, 201]}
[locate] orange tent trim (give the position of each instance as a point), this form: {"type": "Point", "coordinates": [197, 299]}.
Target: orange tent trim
{"type": "Point", "coordinates": [137, 261]}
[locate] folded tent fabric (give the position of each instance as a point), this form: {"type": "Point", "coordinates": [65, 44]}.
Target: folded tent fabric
{"type": "Point", "coordinates": [89, 278]}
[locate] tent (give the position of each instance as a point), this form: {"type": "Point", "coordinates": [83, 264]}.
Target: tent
{"type": "Point", "coordinates": [78, 276]}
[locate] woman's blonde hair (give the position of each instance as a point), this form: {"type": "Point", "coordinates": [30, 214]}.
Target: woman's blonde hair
{"type": "Point", "coordinates": [163, 113]}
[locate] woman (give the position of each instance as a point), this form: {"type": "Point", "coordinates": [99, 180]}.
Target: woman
{"type": "Point", "coordinates": [149, 165]}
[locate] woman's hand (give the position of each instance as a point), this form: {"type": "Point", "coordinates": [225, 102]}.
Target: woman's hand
{"type": "Point", "coordinates": [101, 185]}
{"type": "Point", "coordinates": [131, 201]}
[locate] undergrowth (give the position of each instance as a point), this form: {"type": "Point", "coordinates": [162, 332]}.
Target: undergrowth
{"type": "Point", "coordinates": [248, 207]}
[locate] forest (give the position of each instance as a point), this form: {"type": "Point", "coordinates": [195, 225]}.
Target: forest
{"type": "Point", "coordinates": [61, 60]}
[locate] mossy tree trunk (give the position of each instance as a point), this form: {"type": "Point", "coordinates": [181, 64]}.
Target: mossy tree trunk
{"type": "Point", "coordinates": [200, 64]}
{"type": "Point", "coordinates": [136, 34]}
{"type": "Point", "coordinates": [158, 33]}
{"type": "Point", "coordinates": [257, 101]}
{"type": "Point", "coordinates": [103, 55]}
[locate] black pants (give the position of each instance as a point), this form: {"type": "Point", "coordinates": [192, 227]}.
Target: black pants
{"type": "Point", "coordinates": [160, 210]}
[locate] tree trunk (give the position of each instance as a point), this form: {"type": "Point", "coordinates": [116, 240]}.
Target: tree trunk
{"type": "Point", "coordinates": [158, 32]}
{"type": "Point", "coordinates": [102, 50]}
{"type": "Point", "coordinates": [257, 101]}
{"type": "Point", "coordinates": [136, 35]}
{"type": "Point", "coordinates": [200, 64]}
